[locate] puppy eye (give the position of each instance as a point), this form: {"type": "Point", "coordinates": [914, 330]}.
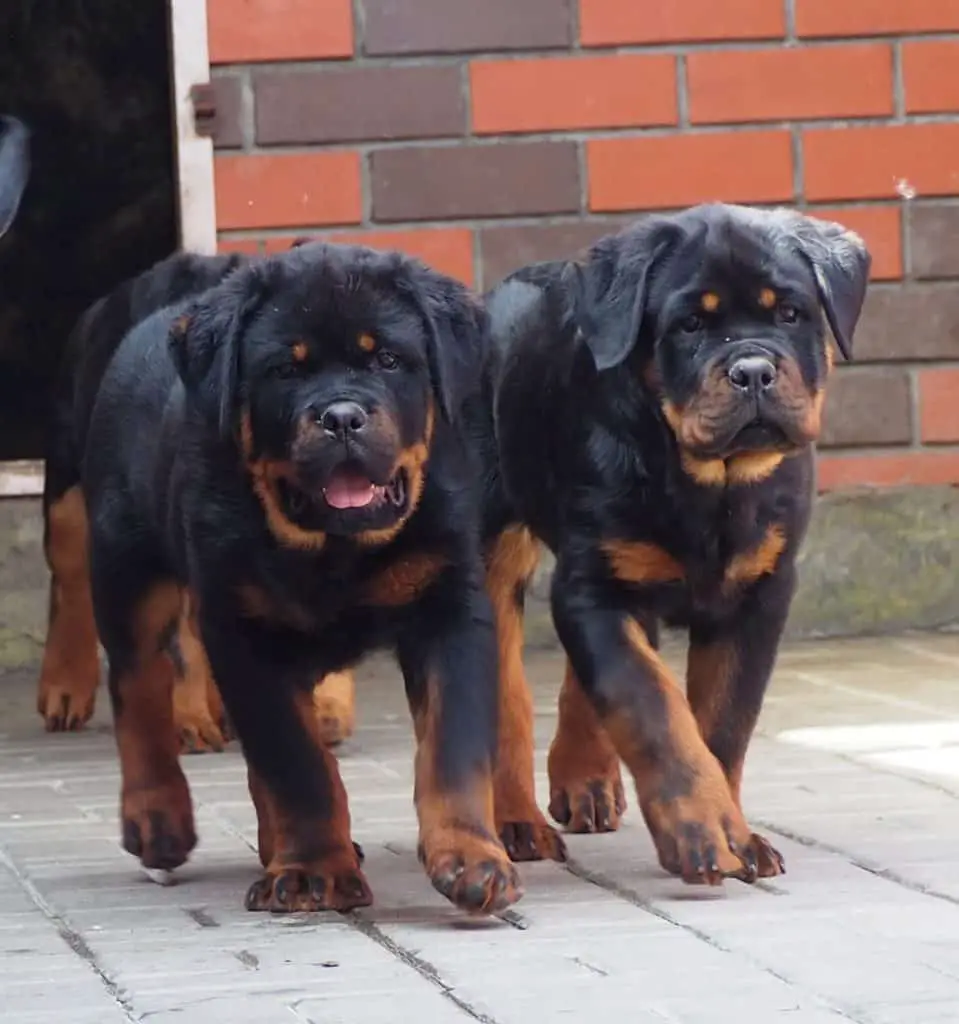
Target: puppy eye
{"type": "Point", "coordinates": [284, 371]}
{"type": "Point", "coordinates": [387, 360]}
{"type": "Point", "coordinates": [787, 313]}
{"type": "Point", "coordinates": [691, 324]}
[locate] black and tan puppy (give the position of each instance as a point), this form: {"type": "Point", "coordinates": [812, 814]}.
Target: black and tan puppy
{"type": "Point", "coordinates": [289, 447]}
{"type": "Point", "coordinates": [656, 410]}
{"type": "Point", "coordinates": [70, 672]}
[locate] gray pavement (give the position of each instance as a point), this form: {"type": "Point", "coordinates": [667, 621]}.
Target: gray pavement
{"type": "Point", "coordinates": [855, 770]}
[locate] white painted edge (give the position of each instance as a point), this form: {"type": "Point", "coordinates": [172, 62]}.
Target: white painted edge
{"type": "Point", "coordinates": [194, 153]}
{"type": "Point", "coordinates": [21, 479]}
{"type": "Point", "coordinates": [196, 198]}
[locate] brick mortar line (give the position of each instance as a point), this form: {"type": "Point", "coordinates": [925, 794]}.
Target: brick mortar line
{"type": "Point", "coordinates": [879, 451]}
{"type": "Point", "coordinates": [575, 49]}
{"type": "Point", "coordinates": [612, 219]}
{"type": "Point", "coordinates": [682, 93]}
{"type": "Point", "coordinates": [575, 26]}
{"type": "Point", "coordinates": [915, 406]}
{"type": "Point", "coordinates": [623, 133]}
{"type": "Point", "coordinates": [73, 939]}
{"type": "Point", "coordinates": [632, 897]}
{"type": "Point", "coordinates": [789, 15]}
{"type": "Point", "coordinates": [898, 84]}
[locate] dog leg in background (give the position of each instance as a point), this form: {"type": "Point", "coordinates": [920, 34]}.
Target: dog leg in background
{"type": "Point", "coordinates": [585, 783]}
{"type": "Point", "coordinates": [698, 829]}
{"type": "Point", "coordinates": [197, 707]}
{"type": "Point", "coordinates": [309, 860]}
{"type": "Point", "coordinates": [449, 668]}
{"type": "Point", "coordinates": [728, 672]}
{"type": "Point", "coordinates": [70, 671]}
{"type": "Point", "coordinates": [135, 622]}
{"type": "Point", "coordinates": [520, 824]}
{"type": "Point", "coordinates": [334, 700]}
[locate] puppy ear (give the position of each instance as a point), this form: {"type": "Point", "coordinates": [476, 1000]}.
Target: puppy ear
{"type": "Point", "coordinates": [14, 168]}
{"type": "Point", "coordinates": [457, 336]}
{"type": "Point", "coordinates": [205, 341]}
{"type": "Point", "coordinates": [840, 263]}
{"type": "Point", "coordinates": [608, 293]}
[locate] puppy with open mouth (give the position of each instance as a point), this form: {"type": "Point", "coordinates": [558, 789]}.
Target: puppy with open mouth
{"type": "Point", "coordinates": [289, 449]}
{"type": "Point", "coordinates": [656, 409]}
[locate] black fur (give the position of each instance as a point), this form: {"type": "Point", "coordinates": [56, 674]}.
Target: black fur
{"type": "Point", "coordinates": [603, 366]}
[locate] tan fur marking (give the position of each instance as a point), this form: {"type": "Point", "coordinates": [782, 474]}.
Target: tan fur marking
{"type": "Point", "coordinates": [767, 298]}
{"type": "Point", "coordinates": [709, 302]}
{"type": "Point", "coordinates": [641, 562]}
{"type": "Point", "coordinates": [752, 467]}
{"type": "Point", "coordinates": [366, 343]}
{"type": "Point", "coordinates": [264, 474]}
{"type": "Point", "coordinates": [750, 565]}
{"type": "Point", "coordinates": [401, 583]}
{"type": "Point", "coordinates": [300, 352]}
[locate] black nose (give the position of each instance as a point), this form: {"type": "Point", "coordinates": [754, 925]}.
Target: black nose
{"type": "Point", "coordinates": [342, 418]}
{"type": "Point", "coordinates": [752, 373]}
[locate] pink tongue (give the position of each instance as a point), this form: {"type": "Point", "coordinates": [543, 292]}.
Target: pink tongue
{"type": "Point", "coordinates": [349, 490]}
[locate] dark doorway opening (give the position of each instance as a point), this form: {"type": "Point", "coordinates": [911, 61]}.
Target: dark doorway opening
{"type": "Point", "coordinates": [91, 79]}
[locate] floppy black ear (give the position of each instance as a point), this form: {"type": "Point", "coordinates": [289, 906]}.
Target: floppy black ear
{"type": "Point", "coordinates": [457, 336]}
{"type": "Point", "coordinates": [14, 168]}
{"type": "Point", "coordinates": [205, 343]}
{"type": "Point", "coordinates": [840, 263]}
{"type": "Point", "coordinates": [610, 290]}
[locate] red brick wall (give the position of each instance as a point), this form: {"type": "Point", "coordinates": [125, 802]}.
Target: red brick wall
{"type": "Point", "coordinates": [482, 134]}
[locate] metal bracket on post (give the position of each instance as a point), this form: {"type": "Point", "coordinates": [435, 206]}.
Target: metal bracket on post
{"type": "Point", "coordinates": [203, 98]}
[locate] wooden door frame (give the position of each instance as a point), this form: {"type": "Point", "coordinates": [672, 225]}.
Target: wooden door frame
{"type": "Point", "coordinates": [195, 197]}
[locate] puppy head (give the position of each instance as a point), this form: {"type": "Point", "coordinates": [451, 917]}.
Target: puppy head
{"type": "Point", "coordinates": [331, 365]}
{"type": "Point", "coordinates": [14, 168]}
{"type": "Point", "coordinates": [720, 310]}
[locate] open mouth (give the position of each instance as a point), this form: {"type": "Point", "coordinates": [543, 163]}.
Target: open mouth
{"type": "Point", "coordinates": [347, 490]}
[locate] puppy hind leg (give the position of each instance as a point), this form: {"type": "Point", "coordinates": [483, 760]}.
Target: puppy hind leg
{"type": "Point", "coordinates": [70, 672]}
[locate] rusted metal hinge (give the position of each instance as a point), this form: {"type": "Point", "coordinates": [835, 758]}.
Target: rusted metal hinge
{"type": "Point", "coordinates": [203, 97]}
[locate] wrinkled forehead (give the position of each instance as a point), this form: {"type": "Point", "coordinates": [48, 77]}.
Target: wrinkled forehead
{"type": "Point", "coordinates": [326, 308]}
{"type": "Point", "coordinates": [735, 258]}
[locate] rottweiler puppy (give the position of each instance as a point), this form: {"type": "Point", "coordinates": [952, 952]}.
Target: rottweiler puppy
{"type": "Point", "coordinates": [14, 168]}
{"type": "Point", "coordinates": [70, 670]}
{"type": "Point", "coordinates": [656, 409]}
{"type": "Point", "coordinates": [289, 449]}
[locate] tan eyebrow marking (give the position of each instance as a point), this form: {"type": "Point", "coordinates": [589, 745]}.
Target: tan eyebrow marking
{"type": "Point", "coordinates": [767, 298]}
{"type": "Point", "coordinates": [366, 343]}
{"type": "Point", "coordinates": [300, 352]}
{"type": "Point", "coordinates": [709, 302]}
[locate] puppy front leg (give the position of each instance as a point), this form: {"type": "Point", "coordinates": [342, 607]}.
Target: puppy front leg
{"type": "Point", "coordinates": [728, 671]}
{"type": "Point", "coordinates": [309, 860]}
{"type": "Point", "coordinates": [449, 666]}
{"type": "Point", "coordinates": [698, 829]}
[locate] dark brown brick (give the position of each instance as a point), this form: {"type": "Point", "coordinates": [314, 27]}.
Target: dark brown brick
{"type": "Point", "coordinates": [934, 235]}
{"type": "Point", "coordinates": [919, 321]}
{"type": "Point", "coordinates": [867, 407]}
{"type": "Point", "coordinates": [500, 180]}
{"type": "Point", "coordinates": [462, 26]}
{"type": "Point", "coordinates": [354, 104]}
{"type": "Point", "coordinates": [505, 249]}
{"type": "Point", "coordinates": [228, 125]}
